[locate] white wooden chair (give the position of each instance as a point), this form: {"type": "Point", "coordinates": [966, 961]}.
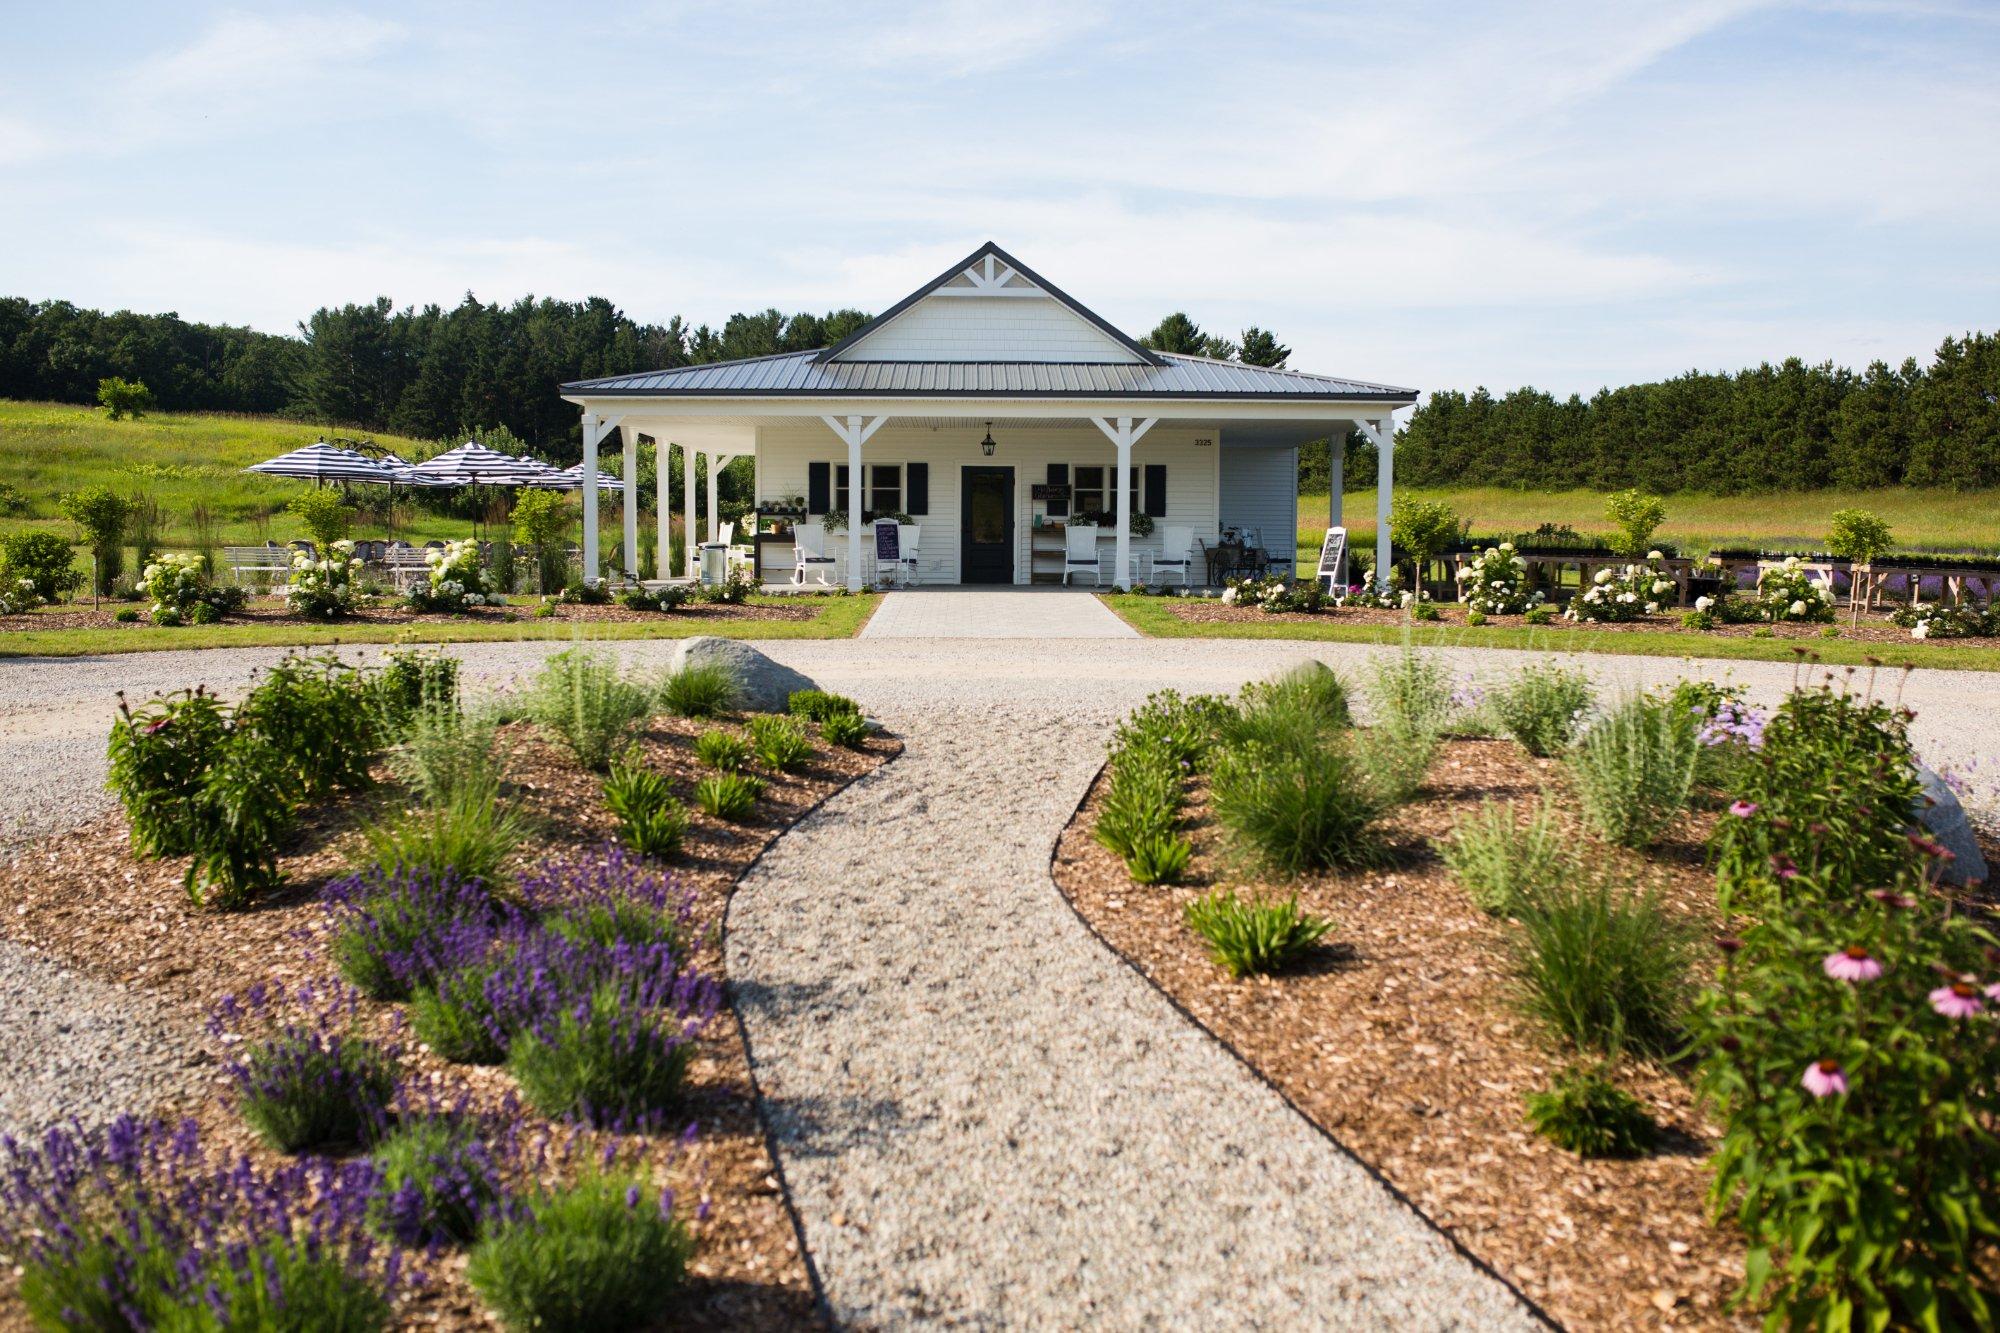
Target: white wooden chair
{"type": "Point", "coordinates": [1176, 556]}
{"type": "Point", "coordinates": [809, 540]}
{"type": "Point", "coordinates": [261, 563]}
{"type": "Point", "coordinates": [907, 536]}
{"type": "Point", "coordinates": [1080, 553]}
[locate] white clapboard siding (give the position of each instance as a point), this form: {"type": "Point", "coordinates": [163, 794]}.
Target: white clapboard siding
{"type": "Point", "coordinates": [990, 328]}
{"type": "Point", "coordinates": [1260, 490]}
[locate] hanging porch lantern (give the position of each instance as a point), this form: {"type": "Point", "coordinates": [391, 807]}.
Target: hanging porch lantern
{"type": "Point", "coordinates": [986, 446]}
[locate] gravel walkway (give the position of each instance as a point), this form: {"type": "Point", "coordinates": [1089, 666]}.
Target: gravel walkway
{"type": "Point", "coordinates": [1032, 614]}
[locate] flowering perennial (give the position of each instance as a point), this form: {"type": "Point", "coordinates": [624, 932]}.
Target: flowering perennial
{"type": "Point", "coordinates": [324, 589]}
{"type": "Point", "coordinates": [1626, 594]}
{"type": "Point", "coordinates": [1496, 583]}
{"type": "Point", "coordinates": [1945, 620]}
{"type": "Point", "coordinates": [1787, 592]}
{"type": "Point", "coordinates": [18, 596]}
{"type": "Point", "coordinates": [456, 581]}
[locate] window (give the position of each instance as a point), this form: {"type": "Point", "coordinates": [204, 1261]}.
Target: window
{"type": "Point", "coordinates": [881, 488]}
{"type": "Point", "coordinates": [1092, 491]}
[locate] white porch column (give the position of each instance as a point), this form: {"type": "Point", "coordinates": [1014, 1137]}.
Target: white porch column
{"type": "Point", "coordinates": [1336, 449]}
{"type": "Point", "coordinates": [690, 557]}
{"type": "Point", "coordinates": [1124, 433]}
{"type": "Point", "coordinates": [1382, 433]}
{"type": "Point", "coordinates": [632, 501]}
{"type": "Point", "coordinates": [716, 462]}
{"type": "Point", "coordinates": [854, 431]}
{"type": "Point", "coordinates": [591, 430]}
{"type": "Point", "coordinates": [663, 510]}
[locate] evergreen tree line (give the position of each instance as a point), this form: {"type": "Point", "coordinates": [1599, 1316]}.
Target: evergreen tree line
{"type": "Point", "coordinates": [1787, 427]}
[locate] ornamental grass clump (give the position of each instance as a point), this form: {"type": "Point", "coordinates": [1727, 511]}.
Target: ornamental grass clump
{"type": "Point", "coordinates": [701, 689]}
{"type": "Point", "coordinates": [819, 705]}
{"type": "Point", "coordinates": [1254, 936]}
{"type": "Point", "coordinates": [847, 730]}
{"type": "Point", "coordinates": [142, 1226]}
{"type": "Point", "coordinates": [1542, 707]}
{"type": "Point", "coordinates": [470, 832]}
{"type": "Point", "coordinates": [583, 699]}
{"type": "Point", "coordinates": [729, 796]}
{"type": "Point", "coordinates": [1851, 1052]}
{"type": "Point", "coordinates": [1633, 770]}
{"type": "Point", "coordinates": [651, 822]}
{"type": "Point", "coordinates": [1503, 861]}
{"type": "Point", "coordinates": [442, 748]}
{"type": "Point", "coordinates": [722, 751]}
{"type": "Point", "coordinates": [1142, 799]}
{"type": "Point", "coordinates": [1301, 804]}
{"type": "Point", "coordinates": [603, 1253]}
{"type": "Point", "coordinates": [781, 743]}
{"type": "Point", "coordinates": [1604, 967]}
{"type": "Point", "coordinates": [385, 925]}
{"type": "Point", "coordinates": [1828, 803]}
{"type": "Point", "coordinates": [1584, 1112]}
{"type": "Point", "coordinates": [437, 1180]}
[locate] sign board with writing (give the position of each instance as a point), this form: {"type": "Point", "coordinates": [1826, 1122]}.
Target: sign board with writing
{"type": "Point", "coordinates": [1333, 557]}
{"type": "Point", "coordinates": [1047, 491]}
{"type": "Point", "coordinates": [888, 542]}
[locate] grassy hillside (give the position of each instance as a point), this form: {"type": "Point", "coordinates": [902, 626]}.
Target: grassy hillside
{"type": "Point", "coordinates": [1944, 520]}
{"type": "Point", "coordinates": [49, 448]}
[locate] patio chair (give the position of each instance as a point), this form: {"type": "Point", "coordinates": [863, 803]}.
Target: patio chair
{"type": "Point", "coordinates": [809, 540]}
{"type": "Point", "coordinates": [1080, 553]}
{"type": "Point", "coordinates": [312, 552]}
{"type": "Point", "coordinates": [907, 536]}
{"type": "Point", "coordinates": [1175, 557]}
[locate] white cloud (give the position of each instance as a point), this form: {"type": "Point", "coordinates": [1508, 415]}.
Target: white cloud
{"type": "Point", "coordinates": [967, 36]}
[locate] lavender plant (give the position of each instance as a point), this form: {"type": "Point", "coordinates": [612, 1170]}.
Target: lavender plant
{"type": "Point", "coordinates": [602, 1253]}
{"type": "Point", "coordinates": [310, 1083]}
{"type": "Point", "coordinates": [385, 924]}
{"type": "Point", "coordinates": [437, 1180]}
{"type": "Point", "coordinates": [610, 899]}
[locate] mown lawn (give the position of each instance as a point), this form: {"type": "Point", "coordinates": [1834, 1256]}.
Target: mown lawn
{"type": "Point", "coordinates": [834, 618]}
{"type": "Point", "coordinates": [1943, 520]}
{"type": "Point", "coordinates": [1154, 617]}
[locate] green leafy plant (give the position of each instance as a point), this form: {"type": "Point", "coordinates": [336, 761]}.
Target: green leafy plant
{"type": "Point", "coordinates": [1604, 967]}
{"type": "Point", "coordinates": [459, 1015]}
{"type": "Point", "coordinates": [1504, 862]}
{"type": "Point", "coordinates": [443, 748]}
{"type": "Point", "coordinates": [1542, 707]}
{"type": "Point", "coordinates": [542, 519]}
{"type": "Point", "coordinates": [730, 796]}
{"type": "Point", "coordinates": [1142, 799]}
{"type": "Point", "coordinates": [1305, 805]}
{"type": "Point", "coordinates": [819, 705]}
{"type": "Point", "coordinates": [598, 1061]}
{"type": "Point", "coordinates": [583, 699]}
{"type": "Point", "coordinates": [848, 730]}
{"type": "Point", "coordinates": [1586, 1113]}
{"type": "Point", "coordinates": [1410, 695]}
{"type": "Point", "coordinates": [412, 680]}
{"type": "Point", "coordinates": [1182, 728]}
{"type": "Point", "coordinates": [319, 715]}
{"type": "Point", "coordinates": [45, 560]}
{"type": "Point", "coordinates": [1637, 514]}
{"type": "Point", "coordinates": [700, 690]}
{"type": "Point", "coordinates": [652, 822]}
{"type": "Point", "coordinates": [1159, 859]}
{"type": "Point", "coordinates": [469, 831]}
{"type": "Point", "coordinates": [1633, 770]}
{"type": "Point", "coordinates": [599, 1254]}
{"type": "Point", "coordinates": [1245, 937]}
{"type": "Point", "coordinates": [781, 743]}
{"type": "Point", "coordinates": [100, 514]}
{"type": "Point", "coordinates": [324, 513]}
{"type": "Point", "coordinates": [1541, 615]}
{"type": "Point", "coordinates": [1423, 529]}
{"type": "Point", "coordinates": [721, 750]}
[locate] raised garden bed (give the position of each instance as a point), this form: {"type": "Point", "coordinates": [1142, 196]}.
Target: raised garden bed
{"type": "Point", "coordinates": [83, 898]}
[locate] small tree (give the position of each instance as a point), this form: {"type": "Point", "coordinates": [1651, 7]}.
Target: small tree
{"type": "Point", "coordinates": [1861, 537]}
{"type": "Point", "coordinates": [42, 558]}
{"type": "Point", "coordinates": [1637, 514]}
{"type": "Point", "coordinates": [100, 514]}
{"type": "Point", "coordinates": [121, 398]}
{"type": "Point", "coordinates": [325, 515]}
{"type": "Point", "coordinates": [1423, 528]}
{"type": "Point", "coordinates": [542, 519]}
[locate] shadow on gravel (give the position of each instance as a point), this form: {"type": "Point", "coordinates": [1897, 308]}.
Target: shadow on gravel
{"type": "Point", "coordinates": [828, 1126]}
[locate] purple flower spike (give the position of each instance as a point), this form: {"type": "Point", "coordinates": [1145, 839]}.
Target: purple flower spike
{"type": "Point", "coordinates": [1852, 964]}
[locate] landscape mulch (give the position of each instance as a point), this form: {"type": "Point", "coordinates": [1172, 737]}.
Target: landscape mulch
{"type": "Point", "coordinates": [83, 898]}
{"type": "Point", "coordinates": [276, 613]}
{"type": "Point", "coordinates": [1398, 1038]}
{"type": "Point", "coordinates": [1872, 629]}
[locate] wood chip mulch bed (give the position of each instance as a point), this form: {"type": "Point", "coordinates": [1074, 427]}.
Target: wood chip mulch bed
{"type": "Point", "coordinates": [1872, 629]}
{"type": "Point", "coordinates": [83, 898]}
{"type": "Point", "coordinates": [1399, 1040]}
{"type": "Point", "coordinates": [274, 612]}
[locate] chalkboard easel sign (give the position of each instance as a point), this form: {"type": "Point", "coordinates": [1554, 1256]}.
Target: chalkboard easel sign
{"type": "Point", "coordinates": [888, 542]}
{"type": "Point", "coordinates": [1333, 558]}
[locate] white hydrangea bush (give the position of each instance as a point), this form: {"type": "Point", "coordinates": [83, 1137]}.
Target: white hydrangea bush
{"type": "Point", "coordinates": [18, 597]}
{"type": "Point", "coordinates": [1496, 583]}
{"type": "Point", "coordinates": [457, 580]}
{"type": "Point", "coordinates": [1788, 592]}
{"type": "Point", "coordinates": [1626, 594]}
{"type": "Point", "coordinates": [179, 589]}
{"type": "Point", "coordinates": [324, 589]}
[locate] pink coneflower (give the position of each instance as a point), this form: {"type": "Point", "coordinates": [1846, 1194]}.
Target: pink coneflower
{"type": "Point", "coordinates": [1891, 898]}
{"type": "Point", "coordinates": [1728, 943]}
{"type": "Point", "coordinates": [1783, 867]}
{"type": "Point", "coordinates": [1852, 964]}
{"type": "Point", "coordinates": [1743, 809]}
{"type": "Point", "coordinates": [1825, 1078]}
{"type": "Point", "coordinates": [1926, 846]}
{"type": "Point", "coordinates": [1958, 1000]}
{"type": "Point", "coordinates": [1993, 992]}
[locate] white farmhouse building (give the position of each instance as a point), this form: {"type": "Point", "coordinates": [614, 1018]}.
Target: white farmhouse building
{"type": "Point", "coordinates": [991, 408]}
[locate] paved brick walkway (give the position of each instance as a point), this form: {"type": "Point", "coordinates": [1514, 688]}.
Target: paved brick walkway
{"type": "Point", "coordinates": [994, 613]}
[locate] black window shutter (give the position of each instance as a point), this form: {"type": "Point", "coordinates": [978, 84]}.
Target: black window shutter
{"type": "Point", "coordinates": [1155, 495]}
{"type": "Point", "coordinates": [1058, 476]}
{"type": "Point", "coordinates": [917, 497]}
{"type": "Point", "coordinates": [819, 487]}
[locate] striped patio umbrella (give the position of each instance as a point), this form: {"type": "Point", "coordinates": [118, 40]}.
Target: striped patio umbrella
{"type": "Point", "coordinates": [473, 464]}
{"type": "Point", "coordinates": [321, 461]}
{"type": "Point", "coordinates": [572, 480]}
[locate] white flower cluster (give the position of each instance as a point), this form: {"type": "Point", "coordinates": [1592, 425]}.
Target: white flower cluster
{"type": "Point", "coordinates": [1788, 592]}
{"type": "Point", "coordinates": [1623, 594]}
{"type": "Point", "coordinates": [1496, 583]}
{"type": "Point", "coordinates": [19, 597]}
{"type": "Point", "coordinates": [457, 580]}
{"type": "Point", "coordinates": [323, 589]}
{"type": "Point", "coordinates": [176, 584]}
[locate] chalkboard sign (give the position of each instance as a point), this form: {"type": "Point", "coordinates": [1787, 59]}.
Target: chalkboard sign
{"type": "Point", "coordinates": [1048, 491]}
{"type": "Point", "coordinates": [888, 542]}
{"type": "Point", "coordinates": [1333, 557]}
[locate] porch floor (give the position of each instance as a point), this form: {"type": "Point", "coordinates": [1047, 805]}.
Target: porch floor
{"type": "Point", "coordinates": [994, 613]}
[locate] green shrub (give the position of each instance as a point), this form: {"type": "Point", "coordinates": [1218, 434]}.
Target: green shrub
{"type": "Point", "coordinates": [819, 705]}
{"type": "Point", "coordinates": [720, 750]}
{"type": "Point", "coordinates": [459, 1015]}
{"type": "Point", "coordinates": [320, 716]}
{"type": "Point", "coordinates": [781, 743]}
{"type": "Point", "coordinates": [411, 680]}
{"type": "Point", "coordinates": [470, 832]}
{"type": "Point", "coordinates": [1503, 863]}
{"type": "Point", "coordinates": [653, 822]}
{"type": "Point", "coordinates": [1634, 770]}
{"type": "Point", "coordinates": [700, 690]}
{"type": "Point", "coordinates": [599, 1254]}
{"type": "Point", "coordinates": [120, 397]}
{"type": "Point", "coordinates": [600, 1061]}
{"type": "Point", "coordinates": [847, 730]}
{"type": "Point", "coordinates": [1159, 859]}
{"type": "Point", "coordinates": [101, 515]}
{"type": "Point", "coordinates": [1182, 728]}
{"type": "Point", "coordinates": [1637, 514]}
{"type": "Point", "coordinates": [444, 748]}
{"type": "Point", "coordinates": [730, 796]}
{"type": "Point", "coordinates": [437, 1180]}
{"type": "Point", "coordinates": [1586, 1113]}
{"type": "Point", "coordinates": [1542, 707]}
{"type": "Point", "coordinates": [1604, 967]}
{"type": "Point", "coordinates": [582, 698]}
{"type": "Point", "coordinates": [1311, 689]}
{"type": "Point", "coordinates": [1298, 808]}
{"type": "Point", "coordinates": [1544, 614]}
{"type": "Point", "coordinates": [1411, 695]}
{"type": "Point", "coordinates": [302, 1089]}
{"type": "Point", "coordinates": [125, 615]}
{"type": "Point", "coordinates": [45, 560]}
{"type": "Point", "coordinates": [1858, 535]}
{"type": "Point", "coordinates": [1245, 937]}
{"type": "Point", "coordinates": [325, 514]}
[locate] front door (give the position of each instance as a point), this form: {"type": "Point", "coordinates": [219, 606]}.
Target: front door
{"type": "Point", "coordinates": [986, 525]}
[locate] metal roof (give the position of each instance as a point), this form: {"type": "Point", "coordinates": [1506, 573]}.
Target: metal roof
{"type": "Point", "coordinates": [805, 374]}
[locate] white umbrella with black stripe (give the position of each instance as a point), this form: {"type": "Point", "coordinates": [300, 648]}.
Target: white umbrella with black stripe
{"type": "Point", "coordinates": [321, 461]}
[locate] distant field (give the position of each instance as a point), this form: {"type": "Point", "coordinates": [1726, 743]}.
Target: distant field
{"type": "Point", "coordinates": [178, 459]}
{"type": "Point", "coordinates": [1945, 520]}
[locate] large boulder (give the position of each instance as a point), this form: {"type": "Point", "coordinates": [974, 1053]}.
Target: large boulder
{"type": "Point", "coordinates": [1944, 819]}
{"type": "Point", "coordinates": [762, 685]}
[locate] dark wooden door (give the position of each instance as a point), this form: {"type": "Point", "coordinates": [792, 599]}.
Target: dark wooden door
{"type": "Point", "coordinates": [986, 525]}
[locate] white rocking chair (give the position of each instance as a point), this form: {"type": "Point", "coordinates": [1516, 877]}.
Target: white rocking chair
{"type": "Point", "coordinates": [1080, 553]}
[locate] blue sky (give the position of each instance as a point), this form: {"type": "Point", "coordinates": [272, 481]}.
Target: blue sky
{"type": "Point", "coordinates": [1566, 194]}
